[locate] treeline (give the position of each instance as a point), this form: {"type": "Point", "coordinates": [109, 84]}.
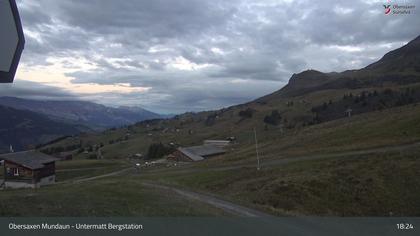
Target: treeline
{"type": "Point", "coordinates": [366, 101]}
{"type": "Point", "coordinates": [58, 149]}
{"type": "Point", "coordinates": [350, 104]}
{"type": "Point", "coordinates": [159, 150]}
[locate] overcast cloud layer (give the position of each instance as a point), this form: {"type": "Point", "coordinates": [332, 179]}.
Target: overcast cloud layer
{"type": "Point", "coordinates": [189, 55]}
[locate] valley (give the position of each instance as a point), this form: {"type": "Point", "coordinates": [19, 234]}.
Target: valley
{"type": "Point", "coordinates": [25, 123]}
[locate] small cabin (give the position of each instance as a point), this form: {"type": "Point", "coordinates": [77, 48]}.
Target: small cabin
{"type": "Point", "coordinates": [30, 169]}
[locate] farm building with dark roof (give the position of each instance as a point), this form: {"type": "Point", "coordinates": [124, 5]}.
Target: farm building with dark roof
{"type": "Point", "coordinates": [196, 153]}
{"type": "Point", "coordinates": [30, 169]}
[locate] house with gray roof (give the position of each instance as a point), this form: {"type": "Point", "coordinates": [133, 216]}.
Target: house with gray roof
{"type": "Point", "coordinates": [196, 153]}
{"type": "Point", "coordinates": [30, 169]}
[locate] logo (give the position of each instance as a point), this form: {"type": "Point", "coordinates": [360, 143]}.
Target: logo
{"type": "Point", "coordinates": [398, 9]}
{"type": "Point", "coordinates": [387, 9]}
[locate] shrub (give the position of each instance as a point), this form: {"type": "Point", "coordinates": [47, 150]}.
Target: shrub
{"type": "Point", "coordinates": [211, 120]}
{"type": "Point", "coordinates": [273, 119]}
{"type": "Point", "coordinates": [248, 113]}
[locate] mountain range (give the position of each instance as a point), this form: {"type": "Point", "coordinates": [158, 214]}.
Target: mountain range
{"type": "Point", "coordinates": [89, 114]}
{"type": "Point", "coordinates": [25, 123]}
{"type": "Point", "coordinates": [24, 129]}
{"type": "Point", "coordinates": [310, 98]}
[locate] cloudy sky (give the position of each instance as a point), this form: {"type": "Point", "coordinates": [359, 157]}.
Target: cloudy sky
{"type": "Point", "coordinates": [172, 56]}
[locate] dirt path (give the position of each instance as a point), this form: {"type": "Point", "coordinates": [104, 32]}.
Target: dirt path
{"type": "Point", "coordinates": [78, 181]}
{"type": "Point", "coordinates": [81, 169]}
{"type": "Point", "coordinates": [102, 176]}
{"type": "Point", "coordinates": [205, 198]}
{"type": "Point", "coordinates": [211, 200]}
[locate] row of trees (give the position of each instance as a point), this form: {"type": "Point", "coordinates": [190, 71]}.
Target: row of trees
{"type": "Point", "coordinates": [58, 149]}
{"type": "Point", "coordinates": [159, 150]}
{"type": "Point", "coordinates": [273, 119]}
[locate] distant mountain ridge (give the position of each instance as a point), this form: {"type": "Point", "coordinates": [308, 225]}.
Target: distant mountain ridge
{"type": "Point", "coordinates": [404, 59]}
{"type": "Point", "coordinates": [90, 114]}
{"type": "Point", "coordinates": [25, 129]}
{"type": "Point", "coordinates": [311, 97]}
{"type": "Point", "coordinates": [398, 67]}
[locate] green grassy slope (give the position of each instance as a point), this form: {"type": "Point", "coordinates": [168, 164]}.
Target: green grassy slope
{"type": "Point", "coordinates": [116, 196]}
{"type": "Point", "coordinates": [379, 184]}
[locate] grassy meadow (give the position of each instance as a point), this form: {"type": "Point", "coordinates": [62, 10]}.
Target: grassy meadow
{"type": "Point", "coordinates": [113, 196]}
{"type": "Point", "coordinates": [386, 184]}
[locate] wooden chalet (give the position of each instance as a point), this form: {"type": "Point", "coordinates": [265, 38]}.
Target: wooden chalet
{"type": "Point", "coordinates": [30, 169]}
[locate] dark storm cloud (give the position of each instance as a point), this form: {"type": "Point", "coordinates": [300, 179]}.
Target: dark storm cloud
{"type": "Point", "coordinates": [194, 54]}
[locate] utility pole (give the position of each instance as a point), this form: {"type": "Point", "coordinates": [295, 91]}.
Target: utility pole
{"type": "Point", "coordinates": [256, 149]}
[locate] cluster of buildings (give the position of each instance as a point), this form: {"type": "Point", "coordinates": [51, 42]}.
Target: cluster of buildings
{"type": "Point", "coordinates": [33, 169]}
